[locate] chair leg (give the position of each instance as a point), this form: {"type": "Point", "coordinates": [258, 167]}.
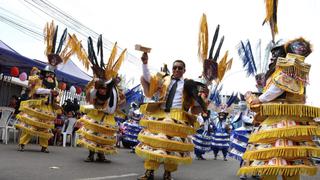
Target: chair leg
{"type": "Point", "coordinates": [76, 136]}
{"type": "Point", "coordinates": [64, 140]}
{"type": "Point", "coordinates": [6, 135]}
{"type": "Point", "coordinates": [55, 139]}
{"type": "Point", "coordinates": [14, 135]}
{"type": "Point", "coordinates": [3, 134]}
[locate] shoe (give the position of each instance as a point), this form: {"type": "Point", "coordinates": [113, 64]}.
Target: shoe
{"type": "Point", "coordinates": [255, 176]}
{"type": "Point", "coordinates": [167, 175]}
{"type": "Point", "coordinates": [21, 147]}
{"type": "Point", "coordinates": [89, 159]}
{"type": "Point", "coordinates": [45, 150]}
{"type": "Point", "coordinates": [201, 158]}
{"type": "Point", "coordinates": [243, 177]}
{"type": "Point", "coordinates": [148, 175]}
{"type": "Point", "coordinates": [225, 159]}
{"type": "Point", "coordinates": [102, 158]}
{"type": "Point", "coordinates": [215, 158]}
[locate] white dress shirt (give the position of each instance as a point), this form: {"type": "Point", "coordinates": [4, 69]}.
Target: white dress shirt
{"type": "Point", "coordinates": [271, 93]}
{"type": "Point", "coordinates": [177, 100]}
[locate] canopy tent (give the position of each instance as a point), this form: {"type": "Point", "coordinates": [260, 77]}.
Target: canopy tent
{"type": "Point", "coordinates": [68, 72]}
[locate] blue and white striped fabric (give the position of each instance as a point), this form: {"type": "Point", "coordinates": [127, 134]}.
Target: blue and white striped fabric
{"type": "Point", "coordinates": [239, 140]}
{"type": "Point", "coordinates": [202, 141]}
{"type": "Point", "coordinates": [131, 131]}
{"type": "Point", "coordinates": [220, 137]}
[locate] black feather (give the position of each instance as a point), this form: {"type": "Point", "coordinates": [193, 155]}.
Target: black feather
{"type": "Point", "coordinates": [91, 54]}
{"type": "Point", "coordinates": [100, 49]}
{"type": "Point", "coordinates": [214, 41]}
{"type": "Point", "coordinates": [218, 50]}
{"type": "Point", "coordinates": [275, 3]}
{"type": "Point", "coordinates": [54, 40]}
{"type": "Point", "coordinates": [62, 40]}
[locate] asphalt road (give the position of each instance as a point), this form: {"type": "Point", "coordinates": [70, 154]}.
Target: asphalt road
{"type": "Point", "coordinates": [67, 164]}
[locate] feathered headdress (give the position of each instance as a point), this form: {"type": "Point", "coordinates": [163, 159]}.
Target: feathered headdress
{"type": "Point", "coordinates": [222, 103]}
{"type": "Point", "coordinates": [105, 72]}
{"type": "Point", "coordinates": [211, 69]}
{"type": "Point", "coordinates": [60, 54]}
{"type": "Point", "coordinates": [271, 16]}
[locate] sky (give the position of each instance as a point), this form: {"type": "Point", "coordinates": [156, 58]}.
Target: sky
{"type": "Point", "coordinates": [170, 28]}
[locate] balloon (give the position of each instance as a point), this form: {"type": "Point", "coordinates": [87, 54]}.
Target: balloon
{"type": "Point", "coordinates": [23, 76]}
{"type": "Point", "coordinates": [14, 71]}
{"type": "Point", "coordinates": [73, 89]}
{"type": "Point", "coordinates": [78, 90]}
{"type": "Point", "coordinates": [62, 86]}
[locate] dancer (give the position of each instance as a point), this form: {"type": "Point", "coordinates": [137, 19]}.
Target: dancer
{"type": "Point", "coordinates": [39, 112]}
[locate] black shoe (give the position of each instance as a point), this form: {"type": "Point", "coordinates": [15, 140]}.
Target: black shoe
{"type": "Point", "coordinates": [201, 157]}
{"type": "Point", "coordinates": [45, 150]}
{"type": "Point", "coordinates": [148, 175]}
{"type": "Point", "coordinates": [225, 159]}
{"type": "Point", "coordinates": [167, 175]}
{"type": "Point", "coordinates": [215, 158]}
{"type": "Point", "coordinates": [89, 159]}
{"type": "Point", "coordinates": [21, 147]}
{"type": "Point", "coordinates": [255, 176]}
{"type": "Point", "coordinates": [102, 158]}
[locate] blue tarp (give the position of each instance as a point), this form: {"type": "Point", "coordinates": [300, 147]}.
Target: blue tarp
{"type": "Point", "coordinates": [68, 72]}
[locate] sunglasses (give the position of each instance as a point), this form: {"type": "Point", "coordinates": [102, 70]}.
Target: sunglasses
{"type": "Point", "coordinates": [177, 68]}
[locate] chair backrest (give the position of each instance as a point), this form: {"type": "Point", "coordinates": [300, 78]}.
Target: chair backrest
{"type": "Point", "coordinates": [6, 113]}
{"type": "Point", "coordinates": [70, 124]}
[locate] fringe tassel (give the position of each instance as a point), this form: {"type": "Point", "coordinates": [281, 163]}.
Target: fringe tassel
{"type": "Point", "coordinates": [275, 119]}
{"type": "Point", "coordinates": [279, 170]}
{"type": "Point", "coordinates": [98, 128]}
{"type": "Point", "coordinates": [168, 128]}
{"type": "Point", "coordinates": [96, 139]}
{"type": "Point", "coordinates": [37, 114]}
{"type": "Point", "coordinates": [298, 110]}
{"type": "Point", "coordinates": [96, 149]}
{"type": "Point", "coordinates": [147, 155]}
{"type": "Point", "coordinates": [34, 133]}
{"type": "Point", "coordinates": [165, 144]}
{"type": "Point", "coordinates": [285, 152]}
{"type": "Point", "coordinates": [97, 115]}
{"type": "Point", "coordinates": [34, 123]}
{"type": "Point", "coordinates": [33, 102]}
{"type": "Point", "coordinates": [288, 132]}
{"type": "Point", "coordinates": [177, 114]}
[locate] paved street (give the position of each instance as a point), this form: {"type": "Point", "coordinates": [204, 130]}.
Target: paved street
{"type": "Point", "coordinates": [67, 164]}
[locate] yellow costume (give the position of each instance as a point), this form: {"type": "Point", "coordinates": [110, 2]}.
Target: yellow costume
{"type": "Point", "coordinates": [38, 114]}
{"type": "Point", "coordinates": [98, 133]}
{"type": "Point", "coordinates": [283, 143]}
{"type": "Point", "coordinates": [36, 119]}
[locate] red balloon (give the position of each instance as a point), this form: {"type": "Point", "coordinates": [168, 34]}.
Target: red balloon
{"type": "Point", "coordinates": [78, 90]}
{"type": "Point", "coordinates": [62, 86]}
{"type": "Point", "coordinates": [14, 71]}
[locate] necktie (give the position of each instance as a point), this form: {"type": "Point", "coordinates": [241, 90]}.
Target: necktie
{"type": "Point", "coordinates": [171, 94]}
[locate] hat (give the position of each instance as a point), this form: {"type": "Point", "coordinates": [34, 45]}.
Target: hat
{"type": "Point", "coordinates": [299, 46]}
{"type": "Point", "coordinates": [56, 55]}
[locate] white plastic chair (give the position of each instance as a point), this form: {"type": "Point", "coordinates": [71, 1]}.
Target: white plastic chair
{"type": "Point", "coordinates": [6, 114]}
{"type": "Point", "coordinates": [68, 131]}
